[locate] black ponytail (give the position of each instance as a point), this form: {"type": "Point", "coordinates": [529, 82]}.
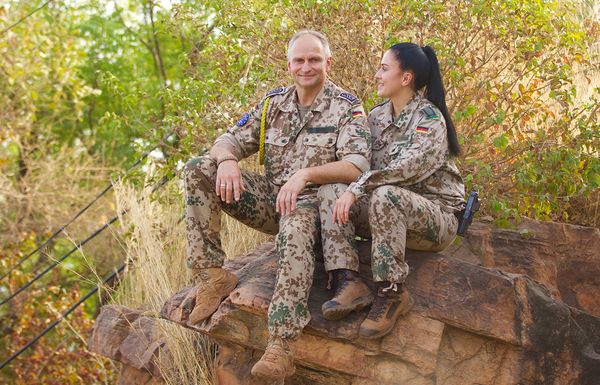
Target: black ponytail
{"type": "Point", "coordinates": [426, 69]}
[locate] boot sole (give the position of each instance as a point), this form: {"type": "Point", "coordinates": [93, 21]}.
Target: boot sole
{"type": "Point", "coordinates": [263, 375]}
{"type": "Point", "coordinates": [386, 331]}
{"type": "Point", "coordinates": [337, 313]}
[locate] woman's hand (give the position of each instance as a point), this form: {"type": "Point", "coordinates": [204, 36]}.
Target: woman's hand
{"type": "Point", "coordinates": [341, 211]}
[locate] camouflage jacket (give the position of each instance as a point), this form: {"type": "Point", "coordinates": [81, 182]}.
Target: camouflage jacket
{"type": "Point", "coordinates": [334, 129]}
{"type": "Point", "coordinates": [412, 152]}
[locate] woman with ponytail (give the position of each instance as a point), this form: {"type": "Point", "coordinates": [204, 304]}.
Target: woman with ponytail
{"type": "Point", "coordinates": [409, 198]}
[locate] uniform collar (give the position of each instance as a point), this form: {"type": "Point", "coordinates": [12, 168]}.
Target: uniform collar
{"type": "Point", "coordinates": [408, 109]}
{"type": "Point", "coordinates": [386, 116]}
{"type": "Point", "coordinates": [319, 104]}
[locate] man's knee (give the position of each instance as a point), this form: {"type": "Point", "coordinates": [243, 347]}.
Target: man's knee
{"type": "Point", "coordinates": [199, 171]}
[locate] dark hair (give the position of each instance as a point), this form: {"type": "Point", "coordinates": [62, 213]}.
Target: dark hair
{"type": "Point", "coordinates": [423, 62]}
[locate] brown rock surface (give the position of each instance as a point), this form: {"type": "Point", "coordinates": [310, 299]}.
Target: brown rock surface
{"type": "Point", "coordinates": [504, 307]}
{"type": "Point", "coordinates": [565, 258]}
{"type": "Point", "coordinates": [127, 336]}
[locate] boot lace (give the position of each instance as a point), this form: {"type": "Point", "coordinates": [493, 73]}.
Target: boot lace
{"type": "Point", "coordinates": [380, 303]}
{"type": "Point", "coordinates": [275, 351]}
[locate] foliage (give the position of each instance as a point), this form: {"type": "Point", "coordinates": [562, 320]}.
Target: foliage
{"type": "Point", "coordinates": [29, 314]}
{"type": "Point", "coordinates": [87, 86]}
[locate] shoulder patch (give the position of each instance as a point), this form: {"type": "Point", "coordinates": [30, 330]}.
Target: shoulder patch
{"type": "Point", "coordinates": [379, 105]}
{"type": "Point", "coordinates": [277, 91]}
{"type": "Point", "coordinates": [429, 112]}
{"type": "Point", "coordinates": [243, 120]}
{"type": "Point", "coordinates": [348, 97]}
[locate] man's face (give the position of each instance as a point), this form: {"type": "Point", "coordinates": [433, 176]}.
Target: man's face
{"type": "Point", "coordinates": [308, 63]}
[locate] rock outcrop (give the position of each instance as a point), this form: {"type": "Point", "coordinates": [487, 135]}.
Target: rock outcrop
{"type": "Point", "coordinates": [504, 307]}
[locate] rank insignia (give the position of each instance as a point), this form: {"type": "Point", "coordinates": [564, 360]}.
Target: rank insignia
{"type": "Point", "coordinates": [243, 120]}
{"type": "Point", "coordinates": [349, 97]}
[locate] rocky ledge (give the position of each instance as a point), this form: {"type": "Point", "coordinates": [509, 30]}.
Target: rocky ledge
{"type": "Point", "coordinates": [502, 307]}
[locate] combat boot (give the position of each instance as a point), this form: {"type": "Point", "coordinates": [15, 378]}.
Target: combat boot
{"type": "Point", "coordinates": [391, 302]}
{"type": "Point", "coordinates": [278, 360]}
{"type": "Point", "coordinates": [213, 284]}
{"type": "Point", "coordinates": [350, 294]}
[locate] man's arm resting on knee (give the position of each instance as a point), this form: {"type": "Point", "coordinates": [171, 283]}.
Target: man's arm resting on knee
{"type": "Point", "coordinates": [229, 184]}
{"type": "Point", "coordinates": [341, 171]}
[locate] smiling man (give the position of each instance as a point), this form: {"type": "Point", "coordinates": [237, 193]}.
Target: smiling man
{"type": "Point", "coordinates": [308, 134]}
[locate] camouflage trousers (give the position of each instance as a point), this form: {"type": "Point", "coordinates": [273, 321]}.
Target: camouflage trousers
{"type": "Point", "coordinates": [394, 218]}
{"type": "Point", "coordinates": [297, 234]}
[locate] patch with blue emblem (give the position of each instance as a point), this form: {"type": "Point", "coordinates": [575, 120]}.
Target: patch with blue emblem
{"type": "Point", "coordinates": [243, 120]}
{"type": "Point", "coordinates": [430, 113]}
{"type": "Point", "coordinates": [276, 91]}
{"type": "Point", "coordinates": [349, 97]}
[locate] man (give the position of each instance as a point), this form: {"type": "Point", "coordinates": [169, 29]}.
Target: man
{"type": "Point", "coordinates": [313, 133]}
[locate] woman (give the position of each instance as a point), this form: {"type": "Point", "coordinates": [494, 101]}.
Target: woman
{"type": "Point", "coordinates": [408, 199]}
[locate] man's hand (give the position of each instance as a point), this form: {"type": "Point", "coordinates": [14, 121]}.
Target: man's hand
{"type": "Point", "coordinates": [341, 211]}
{"type": "Point", "coordinates": [229, 181]}
{"type": "Point", "coordinates": [288, 194]}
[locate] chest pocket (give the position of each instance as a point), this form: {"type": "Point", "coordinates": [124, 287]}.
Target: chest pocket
{"type": "Point", "coordinates": [402, 141]}
{"type": "Point", "coordinates": [318, 149]}
{"type": "Point", "coordinates": [275, 155]}
{"type": "Point", "coordinates": [320, 140]}
{"type": "Point", "coordinates": [276, 138]}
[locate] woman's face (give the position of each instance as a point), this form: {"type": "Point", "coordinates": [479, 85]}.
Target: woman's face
{"type": "Point", "coordinates": [390, 78]}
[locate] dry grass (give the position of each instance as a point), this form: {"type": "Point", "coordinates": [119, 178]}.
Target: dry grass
{"type": "Point", "coordinates": [54, 188]}
{"type": "Point", "coordinates": [154, 239]}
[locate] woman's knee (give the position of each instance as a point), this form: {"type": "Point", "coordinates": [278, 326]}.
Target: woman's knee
{"type": "Point", "coordinates": [390, 196]}
{"type": "Point", "coordinates": [331, 192]}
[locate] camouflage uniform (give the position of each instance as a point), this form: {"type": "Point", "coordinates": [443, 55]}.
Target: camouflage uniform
{"type": "Point", "coordinates": [408, 199]}
{"type": "Point", "coordinates": [334, 129]}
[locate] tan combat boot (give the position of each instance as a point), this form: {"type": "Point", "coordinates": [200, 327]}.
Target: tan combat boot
{"type": "Point", "coordinates": [278, 360]}
{"type": "Point", "coordinates": [391, 302]}
{"type": "Point", "coordinates": [350, 294]}
{"type": "Point", "coordinates": [213, 284]}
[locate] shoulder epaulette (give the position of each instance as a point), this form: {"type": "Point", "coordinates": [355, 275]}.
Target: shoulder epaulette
{"type": "Point", "coordinates": [348, 97]}
{"type": "Point", "coordinates": [429, 112]}
{"type": "Point", "coordinates": [277, 91]}
{"type": "Point", "coordinates": [379, 105]}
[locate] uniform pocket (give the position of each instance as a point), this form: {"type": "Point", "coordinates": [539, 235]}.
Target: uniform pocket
{"type": "Point", "coordinates": [321, 140]}
{"type": "Point", "coordinates": [275, 155]}
{"type": "Point", "coordinates": [319, 149]}
{"type": "Point", "coordinates": [276, 139]}
{"type": "Point", "coordinates": [402, 142]}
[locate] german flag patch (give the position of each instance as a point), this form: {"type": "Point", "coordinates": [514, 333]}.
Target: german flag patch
{"type": "Point", "coordinates": [356, 114]}
{"type": "Point", "coordinates": [423, 130]}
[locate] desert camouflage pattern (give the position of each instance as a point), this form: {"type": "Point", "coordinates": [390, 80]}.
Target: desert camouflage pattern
{"type": "Point", "coordinates": [408, 199]}
{"type": "Point", "coordinates": [394, 218]}
{"type": "Point", "coordinates": [334, 129]}
{"type": "Point", "coordinates": [412, 152]}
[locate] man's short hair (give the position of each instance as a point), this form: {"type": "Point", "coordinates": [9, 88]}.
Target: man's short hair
{"type": "Point", "coordinates": [322, 38]}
